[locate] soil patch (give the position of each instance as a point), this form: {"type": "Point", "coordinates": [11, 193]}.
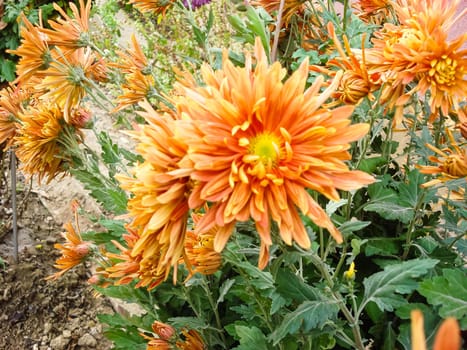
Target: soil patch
{"type": "Point", "coordinates": [34, 313]}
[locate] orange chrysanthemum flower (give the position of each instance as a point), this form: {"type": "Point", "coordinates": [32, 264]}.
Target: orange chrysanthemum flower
{"type": "Point", "coordinates": [373, 11]}
{"type": "Point", "coordinates": [12, 99]}
{"type": "Point", "coordinates": [70, 32]}
{"type": "Point", "coordinates": [132, 59]}
{"type": "Point", "coordinates": [291, 8]}
{"type": "Point", "coordinates": [154, 7]}
{"type": "Point", "coordinates": [356, 82]}
{"type": "Point", "coordinates": [70, 77]}
{"type": "Point", "coordinates": [34, 54]}
{"type": "Point", "coordinates": [452, 164]}
{"type": "Point", "coordinates": [128, 267]}
{"type": "Point", "coordinates": [138, 87]}
{"type": "Point", "coordinates": [158, 206]}
{"type": "Point", "coordinates": [199, 250]}
{"type": "Point", "coordinates": [447, 337]}
{"type": "Point", "coordinates": [418, 50]}
{"type": "Point", "coordinates": [44, 141]}
{"type": "Point", "coordinates": [74, 251]}
{"type": "Point", "coordinates": [258, 143]}
{"type": "Point", "coordinates": [192, 341]}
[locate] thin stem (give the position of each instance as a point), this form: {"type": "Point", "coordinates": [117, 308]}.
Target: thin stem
{"type": "Point", "coordinates": [214, 308]}
{"type": "Point", "coordinates": [341, 260]}
{"type": "Point", "coordinates": [321, 266]}
{"type": "Point", "coordinates": [411, 227]}
{"type": "Point", "coordinates": [277, 31]}
{"type": "Point", "coordinates": [13, 205]}
{"type": "Point", "coordinates": [346, 6]}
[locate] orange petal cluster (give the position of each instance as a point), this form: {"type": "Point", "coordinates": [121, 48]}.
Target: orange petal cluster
{"type": "Point", "coordinates": [258, 144]}
{"type": "Point", "coordinates": [418, 51]}
{"type": "Point", "coordinates": [447, 337]}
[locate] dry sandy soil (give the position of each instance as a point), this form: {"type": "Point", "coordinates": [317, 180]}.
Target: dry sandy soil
{"type": "Point", "coordinates": [34, 313]}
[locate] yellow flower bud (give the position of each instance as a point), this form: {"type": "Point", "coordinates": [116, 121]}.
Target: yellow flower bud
{"type": "Point", "coordinates": [350, 273]}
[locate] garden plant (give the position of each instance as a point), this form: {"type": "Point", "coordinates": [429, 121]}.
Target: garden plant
{"type": "Point", "coordinates": [297, 171]}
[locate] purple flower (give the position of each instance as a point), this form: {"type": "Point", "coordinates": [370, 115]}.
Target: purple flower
{"type": "Point", "coordinates": [195, 3]}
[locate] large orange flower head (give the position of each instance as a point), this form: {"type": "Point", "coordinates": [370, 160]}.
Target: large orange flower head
{"type": "Point", "coordinates": [44, 141]}
{"type": "Point", "coordinates": [34, 53]}
{"type": "Point", "coordinates": [419, 50]}
{"type": "Point", "coordinates": [159, 205]}
{"type": "Point", "coordinates": [70, 32]}
{"type": "Point", "coordinates": [258, 144]}
{"type": "Point", "coordinates": [70, 77]}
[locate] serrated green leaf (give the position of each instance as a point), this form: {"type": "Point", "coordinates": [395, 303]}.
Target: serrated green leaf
{"type": "Point", "coordinates": [449, 292]}
{"type": "Point", "coordinates": [384, 247]}
{"type": "Point", "coordinates": [188, 322]}
{"type": "Point", "coordinates": [369, 165]}
{"type": "Point", "coordinates": [250, 337]}
{"type": "Point", "coordinates": [391, 211]}
{"type": "Point", "coordinates": [290, 286]}
{"type": "Point", "coordinates": [224, 289]}
{"type": "Point", "coordinates": [332, 206]}
{"type": "Point", "coordinates": [125, 340]}
{"type": "Point", "coordinates": [277, 302]}
{"type": "Point", "coordinates": [308, 315]}
{"type": "Point", "coordinates": [381, 287]}
{"type": "Point", "coordinates": [352, 226]}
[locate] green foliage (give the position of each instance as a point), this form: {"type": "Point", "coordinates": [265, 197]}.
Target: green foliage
{"type": "Point", "coordinates": [449, 293]}
{"type": "Point", "coordinates": [386, 288]}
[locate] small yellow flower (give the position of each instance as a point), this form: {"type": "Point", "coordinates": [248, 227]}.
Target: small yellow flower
{"type": "Point", "coordinates": [350, 273]}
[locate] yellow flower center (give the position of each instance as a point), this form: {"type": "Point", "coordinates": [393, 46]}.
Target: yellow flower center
{"type": "Point", "coordinates": [443, 71]}
{"type": "Point", "coordinates": [266, 147]}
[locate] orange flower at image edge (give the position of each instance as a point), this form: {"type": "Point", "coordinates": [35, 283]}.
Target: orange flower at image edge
{"type": "Point", "coordinates": [447, 337]}
{"type": "Point", "coordinates": [258, 143]}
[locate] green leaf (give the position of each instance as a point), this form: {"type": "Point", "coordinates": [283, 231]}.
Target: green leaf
{"type": "Point", "coordinates": [391, 211]}
{"type": "Point", "coordinates": [384, 247]}
{"type": "Point", "coordinates": [369, 165]}
{"type": "Point", "coordinates": [224, 290]}
{"type": "Point", "coordinates": [310, 314]}
{"type": "Point", "coordinates": [125, 340]}
{"type": "Point", "coordinates": [381, 287]}
{"type": "Point", "coordinates": [188, 322]}
{"type": "Point", "coordinates": [250, 337]}
{"type": "Point", "coordinates": [290, 286]}
{"type": "Point", "coordinates": [354, 225]}
{"type": "Point", "coordinates": [449, 292]}
{"type": "Point", "coordinates": [7, 70]}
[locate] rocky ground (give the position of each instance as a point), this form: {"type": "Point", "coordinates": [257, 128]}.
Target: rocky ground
{"type": "Point", "coordinates": [35, 313]}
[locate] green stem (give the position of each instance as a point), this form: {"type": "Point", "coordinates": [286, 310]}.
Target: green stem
{"type": "Point", "coordinates": [410, 230]}
{"type": "Point", "coordinates": [214, 309]}
{"type": "Point", "coordinates": [341, 260]}
{"type": "Point", "coordinates": [346, 6]}
{"type": "Point", "coordinates": [439, 129]}
{"type": "Point", "coordinates": [323, 268]}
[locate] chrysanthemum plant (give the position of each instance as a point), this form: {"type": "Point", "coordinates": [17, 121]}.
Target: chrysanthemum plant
{"type": "Point", "coordinates": [305, 190]}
